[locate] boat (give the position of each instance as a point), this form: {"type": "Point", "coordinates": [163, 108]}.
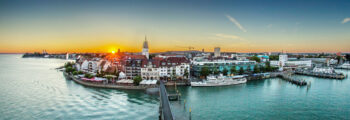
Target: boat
{"type": "Point", "coordinates": [344, 66]}
{"type": "Point", "coordinates": [220, 81]}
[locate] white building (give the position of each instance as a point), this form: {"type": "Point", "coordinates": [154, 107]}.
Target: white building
{"type": "Point", "coordinates": [150, 71]}
{"type": "Point", "coordinates": [89, 66]}
{"type": "Point", "coordinates": [145, 50]}
{"type": "Point", "coordinates": [323, 70]}
{"type": "Point", "coordinates": [165, 68]}
{"type": "Point", "coordinates": [284, 63]}
{"type": "Point", "coordinates": [216, 51]}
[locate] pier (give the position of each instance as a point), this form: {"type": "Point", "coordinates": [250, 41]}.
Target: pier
{"type": "Point", "coordinates": [164, 106]}
{"type": "Point", "coordinates": [321, 75]}
{"type": "Point", "coordinates": [293, 80]}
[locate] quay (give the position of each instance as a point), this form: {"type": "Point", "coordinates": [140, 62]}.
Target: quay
{"type": "Point", "coordinates": [321, 75]}
{"type": "Point", "coordinates": [293, 80]}
{"type": "Point", "coordinates": [98, 85]}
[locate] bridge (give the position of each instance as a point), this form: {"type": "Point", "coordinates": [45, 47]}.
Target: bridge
{"type": "Point", "coordinates": [164, 107]}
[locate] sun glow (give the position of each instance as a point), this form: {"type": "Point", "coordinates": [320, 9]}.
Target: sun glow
{"type": "Point", "coordinates": [113, 51]}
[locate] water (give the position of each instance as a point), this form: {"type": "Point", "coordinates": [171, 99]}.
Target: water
{"type": "Point", "coordinates": [32, 89]}
{"type": "Point", "coordinates": [268, 99]}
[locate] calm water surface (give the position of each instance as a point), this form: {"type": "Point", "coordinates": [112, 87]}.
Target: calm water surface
{"type": "Point", "coordinates": [33, 89]}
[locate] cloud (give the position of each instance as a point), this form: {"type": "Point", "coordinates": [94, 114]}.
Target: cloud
{"type": "Point", "coordinates": [233, 20]}
{"type": "Point", "coordinates": [225, 36]}
{"type": "Point", "coordinates": [345, 20]}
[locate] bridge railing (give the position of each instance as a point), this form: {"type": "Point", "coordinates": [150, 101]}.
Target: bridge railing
{"type": "Point", "coordinates": [164, 102]}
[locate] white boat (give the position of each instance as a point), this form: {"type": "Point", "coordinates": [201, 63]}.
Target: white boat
{"type": "Point", "coordinates": [344, 66]}
{"type": "Point", "coordinates": [220, 81]}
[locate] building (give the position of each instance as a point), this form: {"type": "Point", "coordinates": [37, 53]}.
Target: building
{"type": "Point", "coordinates": [145, 50]}
{"type": "Point", "coordinates": [284, 63]}
{"type": "Point", "coordinates": [131, 65]}
{"type": "Point", "coordinates": [220, 65]}
{"type": "Point", "coordinates": [89, 66]}
{"type": "Point", "coordinates": [216, 51]}
{"type": "Point", "coordinates": [263, 58]}
{"type": "Point", "coordinates": [165, 68]}
{"type": "Point", "coordinates": [149, 70]}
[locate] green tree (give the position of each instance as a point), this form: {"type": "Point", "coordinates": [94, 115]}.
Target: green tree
{"type": "Point", "coordinates": [339, 58]}
{"type": "Point", "coordinates": [173, 75]}
{"type": "Point", "coordinates": [241, 71]}
{"type": "Point", "coordinates": [186, 73]}
{"type": "Point", "coordinates": [87, 75]}
{"type": "Point", "coordinates": [69, 69]}
{"type": "Point", "coordinates": [75, 73]}
{"type": "Point", "coordinates": [80, 72]}
{"type": "Point", "coordinates": [204, 71]}
{"type": "Point", "coordinates": [216, 71]}
{"type": "Point", "coordinates": [233, 70]}
{"type": "Point", "coordinates": [225, 71]}
{"type": "Point", "coordinates": [256, 69]}
{"type": "Point", "coordinates": [137, 80]}
{"type": "Point", "coordinates": [273, 57]}
{"type": "Point", "coordinates": [255, 58]}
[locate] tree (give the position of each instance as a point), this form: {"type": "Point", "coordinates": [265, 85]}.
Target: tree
{"type": "Point", "coordinates": [233, 69]}
{"type": "Point", "coordinates": [68, 64]}
{"type": "Point", "coordinates": [339, 58]}
{"type": "Point", "coordinates": [75, 73]}
{"type": "Point", "coordinates": [137, 80]}
{"type": "Point", "coordinates": [173, 75]}
{"type": "Point", "coordinates": [241, 71]}
{"type": "Point", "coordinates": [80, 72]}
{"type": "Point", "coordinates": [216, 71]}
{"type": "Point", "coordinates": [87, 75]}
{"type": "Point", "coordinates": [225, 71]}
{"type": "Point", "coordinates": [256, 69]}
{"type": "Point", "coordinates": [268, 66]}
{"type": "Point", "coordinates": [186, 73]}
{"type": "Point", "coordinates": [69, 69]}
{"type": "Point", "coordinates": [273, 57]}
{"type": "Point", "coordinates": [204, 71]}
{"type": "Point", "coordinates": [255, 58]}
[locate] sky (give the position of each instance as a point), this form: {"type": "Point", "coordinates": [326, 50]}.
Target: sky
{"type": "Point", "coordinates": [234, 25]}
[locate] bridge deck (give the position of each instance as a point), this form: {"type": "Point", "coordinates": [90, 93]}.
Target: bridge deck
{"type": "Point", "coordinates": [166, 113]}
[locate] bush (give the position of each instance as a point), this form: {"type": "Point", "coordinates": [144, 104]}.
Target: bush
{"type": "Point", "coordinates": [80, 72]}
{"type": "Point", "coordinates": [87, 75]}
{"type": "Point", "coordinates": [75, 73]}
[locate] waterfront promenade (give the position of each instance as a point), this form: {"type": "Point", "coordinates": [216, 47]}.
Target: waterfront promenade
{"type": "Point", "coordinates": [101, 85]}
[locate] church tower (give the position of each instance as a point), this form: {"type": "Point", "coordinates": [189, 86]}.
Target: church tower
{"type": "Point", "coordinates": [145, 48]}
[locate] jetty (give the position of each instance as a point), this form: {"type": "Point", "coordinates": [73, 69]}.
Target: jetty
{"type": "Point", "coordinates": [321, 75]}
{"type": "Point", "coordinates": [164, 106]}
{"type": "Point", "coordinates": [293, 80]}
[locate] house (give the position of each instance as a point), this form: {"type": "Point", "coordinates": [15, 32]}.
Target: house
{"type": "Point", "coordinates": [89, 66]}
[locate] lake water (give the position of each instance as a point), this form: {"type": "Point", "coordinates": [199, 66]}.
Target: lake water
{"type": "Point", "coordinates": [32, 89]}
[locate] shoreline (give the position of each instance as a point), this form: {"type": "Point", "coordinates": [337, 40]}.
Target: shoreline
{"type": "Point", "coordinates": [108, 86]}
